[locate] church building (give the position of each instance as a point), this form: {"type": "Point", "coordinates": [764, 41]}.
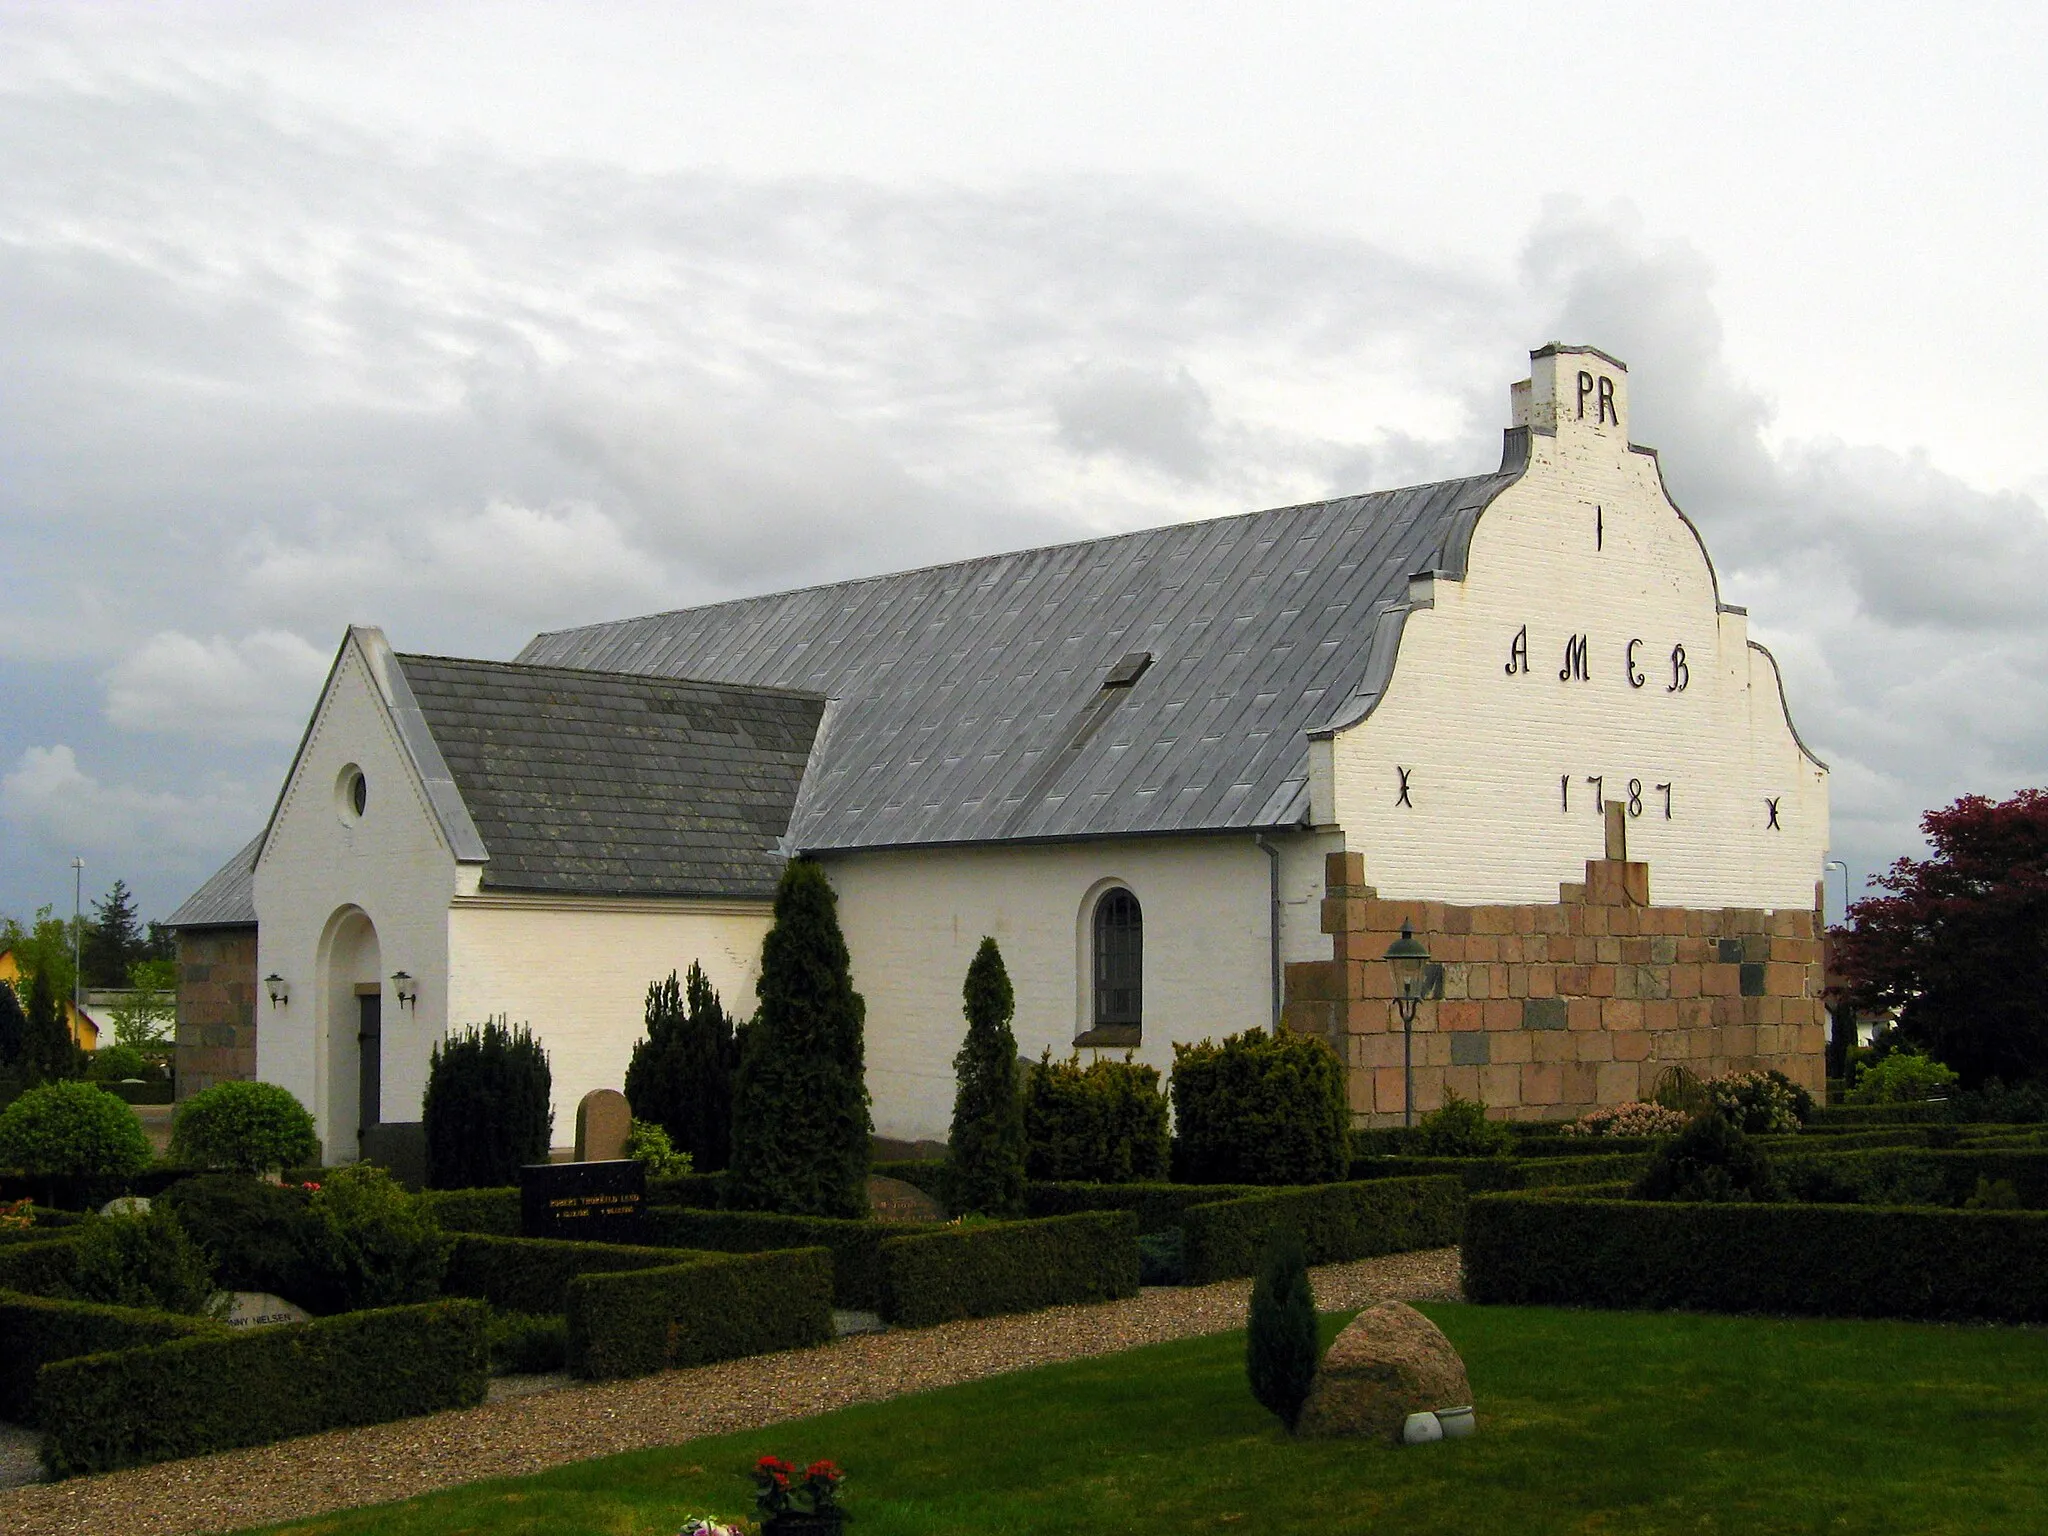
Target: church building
{"type": "Point", "coordinates": [1193, 780]}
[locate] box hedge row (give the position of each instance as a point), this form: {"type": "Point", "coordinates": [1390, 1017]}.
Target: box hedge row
{"type": "Point", "coordinates": [716, 1307]}
{"type": "Point", "coordinates": [215, 1392]}
{"type": "Point", "coordinates": [532, 1274]}
{"type": "Point", "coordinates": [1157, 1207]}
{"type": "Point", "coordinates": [34, 1330]}
{"type": "Point", "coordinates": [855, 1246]}
{"type": "Point", "coordinates": [1957, 1169]}
{"type": "Point", "coordinates": [988, 1269]}
{"type": "Point", "coordinates": [493, 1212]}
{"type": "Point", "coordinates": [1504, 1172]}
{"type": "Point", "coordinates": [1337, 1222]}
{"type": "Point", "coordinates": [43, 1268]}
{"type": "Point", "coordinates": [1525, 1249]}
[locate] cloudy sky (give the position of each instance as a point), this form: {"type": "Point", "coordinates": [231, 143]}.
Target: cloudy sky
{"type": "Point", "coordinates": [470, 321]}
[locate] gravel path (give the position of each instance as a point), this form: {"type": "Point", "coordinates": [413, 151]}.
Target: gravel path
{"type": "Point", "coordinates": [346, 1468]}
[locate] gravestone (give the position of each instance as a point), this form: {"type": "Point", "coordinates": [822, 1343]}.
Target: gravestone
{"type": "Point", "coordinates": [583, 1202]}
{"type": "Point", "coordinates": [603, 1122]}
{"type": "Point", "coordinates": [260, 1309]}
{"type": "Point", "coordinates": [896, 1200]}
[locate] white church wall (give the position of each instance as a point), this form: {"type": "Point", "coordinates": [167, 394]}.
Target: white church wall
{"type": "Point", "coordinates": [577, 970]}
{"type": "Point", "coordinates": [914, 918]}
{"type": "Point", "coordinates": [1498, 750]}
{"type": "Point", "coordinates": [321, 864]}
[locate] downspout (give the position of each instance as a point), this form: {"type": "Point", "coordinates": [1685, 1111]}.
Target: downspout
{"type": "Point", "coordinates": [1273, 919]}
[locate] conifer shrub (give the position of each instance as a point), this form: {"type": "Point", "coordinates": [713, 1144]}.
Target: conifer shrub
{"type": "Point", "coordinates": [1260, 1109]}
{"type": "Point", "coordinates": [249, 1127]}
{"type": "Point", "coordinates": [800, 1104]}
{"type": "Point", "coordinates": [488, 1108]}
{"type": "Point", "coordinates": [1281, 1346]}
{"type": "Point", "coordinates": [371, 1244]}
{"type": "Point", "coordinates": [681, 1075]}
{"type": "Point", "coordinates": [1709, 1160]}
{"type": "Point", "coordinates": [1102, 1124]}
{"type": "Point", "coordinates": [72, 1129]}
{"type": "Point", "coordinates": [47, 1053]}
{"type": "Point", "coordinates": [985, 1152]}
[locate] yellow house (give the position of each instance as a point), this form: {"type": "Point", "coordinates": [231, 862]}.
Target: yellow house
{"type": "Point", "coordinates": [85, 1029]}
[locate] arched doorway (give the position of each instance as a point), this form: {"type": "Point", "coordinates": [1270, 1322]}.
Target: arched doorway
{"type": "Point", "coordinates": [353, 999]}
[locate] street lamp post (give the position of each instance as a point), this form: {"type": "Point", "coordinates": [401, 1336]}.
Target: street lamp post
{"type": "Point", "coordinates": [1844, 868]}
{"type": "Point", "coordinates": [77, 936]}
{"type": "Point", "coordinates": [1416, 979]}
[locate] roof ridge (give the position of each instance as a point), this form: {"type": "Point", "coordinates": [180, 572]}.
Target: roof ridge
{"type": "Point", "coordinates": [1029, 550]}
{"type": "Point", "coordinates": [639, 678]}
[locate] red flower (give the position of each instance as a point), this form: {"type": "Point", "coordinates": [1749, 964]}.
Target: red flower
{"type": "Point", "coordinates": [823, 1471]}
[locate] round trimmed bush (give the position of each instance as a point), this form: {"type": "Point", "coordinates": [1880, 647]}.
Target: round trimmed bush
{"type": "Point", "coordinates": [114, 1063]}
{"type": "Point", "coordinates": [72, 1128]}
{"type": "Point", "coordinates": [254, 1127]}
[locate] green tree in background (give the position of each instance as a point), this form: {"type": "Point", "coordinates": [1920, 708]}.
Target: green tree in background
{"type": "Point", "coordinates": [800, 1107]}
{"type": "Point", "coordinates": [113, 939]}
{"type": "Point", "coordinates": [42, 946]}
{"type": "Point", "coordinates": [146, 1018]}
{"type": "Point", "coordinates": [488, 1108]}
{"type": "Point", "coordinates": [985, 1157]}
{"type": "Point", "coordinates": [681, 1075]}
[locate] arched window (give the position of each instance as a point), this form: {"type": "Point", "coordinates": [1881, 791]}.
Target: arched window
{"type": "Point", "coordinates": [1119, 962]}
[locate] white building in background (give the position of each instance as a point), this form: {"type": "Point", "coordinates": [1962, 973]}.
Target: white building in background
{"type": "Point", "coordinates": [1124, 758]}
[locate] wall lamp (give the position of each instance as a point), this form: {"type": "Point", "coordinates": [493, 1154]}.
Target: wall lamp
{"type": "Point", "coordinates": [1416, 980]}
{"type": "Point", "coordinates": [280, 990]}
{"type": "Point", "coordinates": [406, 988]}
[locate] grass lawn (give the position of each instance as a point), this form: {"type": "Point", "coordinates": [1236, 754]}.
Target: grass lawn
{"type": "Point", "coordinates": [1610, 1422]}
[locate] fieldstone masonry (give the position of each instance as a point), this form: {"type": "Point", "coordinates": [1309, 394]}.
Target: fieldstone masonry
{"type": "Point", "coordinates": [1551, 1010]}
{"type": "Point", "coordinates": [216, 1034]}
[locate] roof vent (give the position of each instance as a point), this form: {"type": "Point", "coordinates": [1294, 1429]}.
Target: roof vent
{"type": "Point", "coordinates": [1128, 670]}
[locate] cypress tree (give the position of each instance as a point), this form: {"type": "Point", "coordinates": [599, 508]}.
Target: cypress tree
{"type": "Point", "coordinates": [13, 1030]}
{"type": "Point", "coordinates": [985, 1172]}
{"type": "Point", "coordinates": [47, 1052]}
{"type": "Point", "coordinates": [1281, 1346]}
{"type": "Point", "coordinates": [800, 1107]}
{"type": "Point", "coordinates": [681, 1075]}
{"type": "Point", "coordinates": [488, 1107]}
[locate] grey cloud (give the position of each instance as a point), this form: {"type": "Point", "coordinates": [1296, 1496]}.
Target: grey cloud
{"type": "Point", "coordinates": [1159, 419]}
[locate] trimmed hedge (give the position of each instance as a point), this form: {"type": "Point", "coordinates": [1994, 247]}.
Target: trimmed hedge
{"type": "Point", "coordinates": [1158, 1207]}
{"type": "Point", "coordinates": [45, 1268]}
{"type": "Point", "coordinates": [633, 1322]}
{"type": "Point", "coordinates": [1956, 1170]}
{"type": "Point", "coordinates": [703, 1191]}
{"type": "Point", "coordinates": [494, 1212]}
{"type": "Point", "coordinates": [202, 1394]}
{"type": "Point", "coordinates": [1504, 1172]}
{"type": "Point", "coordinates": [1336, 1221]}
{"type": "Point", "coordinates": [532, 1274]}
{"type": "Point", "coordinates": [34, 1330]}
{"type": "Point", "coordinates": [855, 1246]}
{"type": "Point", "coordinates": [1011, 1266]}
{"type": "Point", "coordinates": [1880, 1114]}
{"type": "Point", "coordinates": [1821, 1260]}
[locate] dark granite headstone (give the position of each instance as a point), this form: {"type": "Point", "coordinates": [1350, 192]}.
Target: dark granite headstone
{"type": "Point", "coordinates": [583, 1202]}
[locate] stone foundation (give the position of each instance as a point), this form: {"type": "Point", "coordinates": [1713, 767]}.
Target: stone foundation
{"type": "Point", "coordinates": [216, 1039]}
{"type": "Point", "coordinates": [1551, 1010]}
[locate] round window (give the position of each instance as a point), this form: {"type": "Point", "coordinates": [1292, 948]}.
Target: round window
{"type": "Point", "coordinates": [351, 793]}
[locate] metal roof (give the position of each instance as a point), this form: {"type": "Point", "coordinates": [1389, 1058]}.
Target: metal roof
{"type": "Point", "coordinates": [969, 700]}
{"type": "Point", "coordinates": [598, 784]}
{"type": "Point", "coordinates": [228, 899]}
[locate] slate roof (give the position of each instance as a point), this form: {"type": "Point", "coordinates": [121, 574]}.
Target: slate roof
{"type": "Point", "coordinates": [969, 699]}
{"type": "Point", "coordinates": [228, 899]}
{"type": "Point", "coordinates": [588, 782]}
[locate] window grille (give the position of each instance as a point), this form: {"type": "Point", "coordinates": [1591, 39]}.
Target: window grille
{"type": "Point", "coordinates": [1119, 959]}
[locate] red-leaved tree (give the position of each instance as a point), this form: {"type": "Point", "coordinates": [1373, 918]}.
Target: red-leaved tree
{"type": "Point", "coordinates": [1960, 945]}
